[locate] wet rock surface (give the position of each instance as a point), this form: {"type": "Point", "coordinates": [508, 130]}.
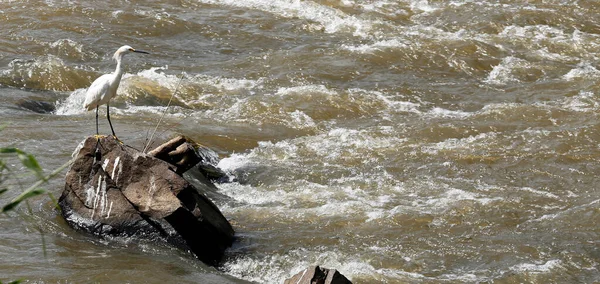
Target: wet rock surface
{"type": "Point", "coordinates": [318, 275]}
{"type": "Point", "coordinates": [37, 106]}
{"type": "Point", "coordinates": [112, 189]}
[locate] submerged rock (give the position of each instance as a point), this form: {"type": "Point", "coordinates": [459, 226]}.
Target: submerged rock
{"type": "Point", "coordinates": [318, 275]}
{"type": "Point", "coordinates": [208, 166]}
{"type": "Point", "coordinates": [37, 106]}
{"type": "Point", "coordinates": [112, 189]}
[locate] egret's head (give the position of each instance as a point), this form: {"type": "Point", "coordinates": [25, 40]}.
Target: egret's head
{"type": "Point", "coordinates": [124, 50]}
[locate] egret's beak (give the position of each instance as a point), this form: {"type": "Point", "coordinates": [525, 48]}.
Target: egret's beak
{"type": "Point", "coordinates": [140, 51]}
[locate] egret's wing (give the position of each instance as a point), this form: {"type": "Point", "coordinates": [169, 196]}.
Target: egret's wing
{"type": "Point", "coordinates": [96, 91]}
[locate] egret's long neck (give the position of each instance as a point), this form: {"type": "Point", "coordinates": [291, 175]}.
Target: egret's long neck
{"type": "Point", "coordinates": [119, 69]}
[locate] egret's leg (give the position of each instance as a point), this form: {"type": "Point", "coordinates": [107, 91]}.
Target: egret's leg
{"type": "Point", "coordinates": [97, 132]}
{"type": "Point", "coordinates": [109, 123]}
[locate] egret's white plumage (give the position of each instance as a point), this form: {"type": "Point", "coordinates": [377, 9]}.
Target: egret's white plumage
{"type": "Point", "coordinates": [105, 87]}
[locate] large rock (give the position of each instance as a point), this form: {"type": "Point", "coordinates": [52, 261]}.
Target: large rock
{"type": "Point", "coordinates": [112, 189]}
{"type": "Point", "coordinates": [318, 275]}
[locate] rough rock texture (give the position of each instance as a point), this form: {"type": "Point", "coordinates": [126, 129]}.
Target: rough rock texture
{"type": "Point", "coordinates": [112, 189]}
{"type": "Point", "coordinates": [318, 275]}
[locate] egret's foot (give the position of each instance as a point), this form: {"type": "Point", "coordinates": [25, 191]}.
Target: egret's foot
{"type": "Point", "coordinates": [98, 136]}
{"type": "Point", "coordinates": [118, 140]}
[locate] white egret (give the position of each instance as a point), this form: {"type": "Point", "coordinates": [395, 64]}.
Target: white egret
{"type": "Point", "coordinates": [105, 87]}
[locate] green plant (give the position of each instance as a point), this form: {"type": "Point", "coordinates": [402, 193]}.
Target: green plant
{"type": "Point", "coordinates": [13, 282]}
{"type": "Point", "coordinates": [30, 162]}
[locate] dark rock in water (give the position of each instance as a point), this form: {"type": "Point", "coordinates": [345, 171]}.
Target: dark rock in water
{"type": "Point", "coordinates": [318, 275]}
{"type": "Point", "coordinates": [208, 165]}
{"type": "Point", "coordinates": [112, 189]}
{"type": "Point", "coordinates": [36, 106]}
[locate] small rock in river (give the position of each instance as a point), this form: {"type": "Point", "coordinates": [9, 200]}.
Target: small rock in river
{"type": "Point", "coordinates": [36, 106]}
{"type": "Point", "coordinates": [318, 275]}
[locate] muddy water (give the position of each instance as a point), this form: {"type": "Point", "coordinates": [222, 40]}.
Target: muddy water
{"type": "Point", "coordinates": [397, 141]}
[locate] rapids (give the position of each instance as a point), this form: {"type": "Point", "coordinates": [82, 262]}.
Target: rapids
{"type": "Point", "coordinates": [398, 141]}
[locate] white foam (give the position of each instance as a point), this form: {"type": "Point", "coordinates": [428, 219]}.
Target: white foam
{"type": "Point", "coordinates": [540, 192]}
{"type": "Point", "coordinates": [422, 5]}
{"type": "Point", "coordinates": [537, 267]}
{"type": "Point", "coordinates": [305, 89]}
{"type": "Point", "coordinates": [158, 75]}
{"type": "Point", "coordinates": [572, 211]}
{"type": "Point", "coordinates": [327, 146]}
{"type": "Point", "coordinates": [266, 270]}
{"type": "Point", "coordinates": [386, 7]}
{"type": "Point", "coordinates": [158, 16]}
{"type": "Point", "coordinates": [296, 107]}
{"type": "Point", "coordinates": [395, 43]}
{"type": "Point", "coordinates": [331, 20]}
{"type": "Point", "coordinates": [385, 100]}
{"type": "Point", "coordinates": [445, 113]}
{"type": "Point", "coordinates": [585, 101]}
{"type": "Point", "coordinates": [116, 13]}
{"type": "Point", "coordinates": [583, 70]}
{"type": "Point", "coordinates": [171, 111]}
{"type": "Point", "coordinates": [277, 267]}
{"type": "Point", "coordinates": [254, 196]}
{"type": "Point", "coordinates": [544, 54]}
{"type": "Point", "coordinates": [366, 101]}
{"type": "Point", "coordinates": [73, 104]}
{"type": "Point", "coordinates": [534, 32]}
{"type": "Point", "coordinates": [300, 120]}
{"type": "Point", "coordinates": [450, 197]}
{"type": "Point", "coordinates": [467, 143]}
{"type": "Point", "coordinates": [540, 39]}
{"type": "Point", "coordinates": [48, 72]}
{"type": "Point", "coordinates": [401, 275]}
{"type": "Point", "coordinates": [503, 73]}
{"type": "Point", "coordinates": [233, 162]}
{"type": "Point", "coordinates": [71, 48]}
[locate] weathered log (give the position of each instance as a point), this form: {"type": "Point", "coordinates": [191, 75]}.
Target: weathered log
{"type": "Point", "coordinates": [184, 153]}
{"type": "Point", "coordinates": [180, 152]}
{"type": "Point", "coordinates": [112, 189]}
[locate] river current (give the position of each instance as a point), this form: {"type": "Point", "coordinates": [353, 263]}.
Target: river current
{"type": "Point", "coordinates": [398, 141]}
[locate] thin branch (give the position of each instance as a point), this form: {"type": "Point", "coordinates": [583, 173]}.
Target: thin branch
{"type": "Point", "coordinates": [164, 113]}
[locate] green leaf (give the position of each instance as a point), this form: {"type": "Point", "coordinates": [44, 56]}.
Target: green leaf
{"type": "Point", "coordinates": [27, 160]}
{"type": "Point", "coordinates": [10, 150]}
{"type": "Point", "coordinates": [20, 198]}
{"type": "Point", "coordinates": [54, 201]}
{"type": "Point", "coordinates": [31, 163]}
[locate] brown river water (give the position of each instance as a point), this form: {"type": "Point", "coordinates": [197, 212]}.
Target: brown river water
{"type": "Point", "coordinates": [398, 141]}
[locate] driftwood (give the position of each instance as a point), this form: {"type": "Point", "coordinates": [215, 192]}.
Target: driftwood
{"type": "Point", "coordinates": [180, 152]}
